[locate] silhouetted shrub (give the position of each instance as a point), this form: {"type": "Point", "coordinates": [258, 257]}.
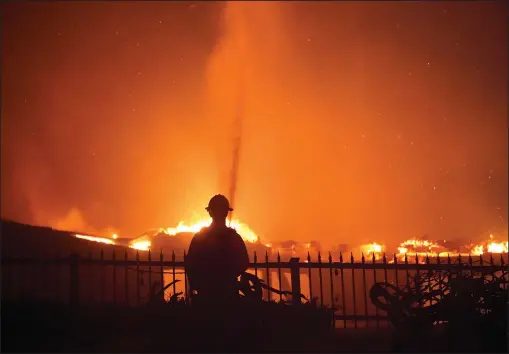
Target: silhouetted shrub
{"type": "Point", "coordinates": [459, 309]}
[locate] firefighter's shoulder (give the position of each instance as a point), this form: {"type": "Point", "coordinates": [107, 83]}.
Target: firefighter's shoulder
{"type": "Point", "coordinates": [202, 232]}
{"type": "Point", "coordinates": [233, 232]}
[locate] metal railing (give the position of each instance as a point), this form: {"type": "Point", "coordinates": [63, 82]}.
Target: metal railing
{"type": "Point", "coordinates": [118, 280]}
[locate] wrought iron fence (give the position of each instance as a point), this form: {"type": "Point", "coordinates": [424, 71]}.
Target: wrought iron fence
{"type": "Point", "coordinates": [118, 280]}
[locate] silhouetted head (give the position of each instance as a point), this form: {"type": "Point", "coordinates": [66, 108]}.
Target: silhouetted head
{"type": "Point", "coordinates": [218, 207]}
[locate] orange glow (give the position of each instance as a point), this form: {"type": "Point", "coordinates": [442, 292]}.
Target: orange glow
{"type": "Point", "coordinates": [348, 135]}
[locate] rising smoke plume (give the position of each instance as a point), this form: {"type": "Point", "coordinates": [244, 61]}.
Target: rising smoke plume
{"type": "Point", "coordinates": [362, 121]}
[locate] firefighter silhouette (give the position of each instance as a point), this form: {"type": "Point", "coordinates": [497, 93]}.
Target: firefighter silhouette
{"type": "Point", "coordinates": [217, 256]}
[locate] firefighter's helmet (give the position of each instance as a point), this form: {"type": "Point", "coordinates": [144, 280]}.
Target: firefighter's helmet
{"type": "Point", "coordinates": [219, 203]}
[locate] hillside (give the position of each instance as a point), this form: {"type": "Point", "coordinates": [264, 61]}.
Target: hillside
{"type": "Point", "coordinates": [20, 240]}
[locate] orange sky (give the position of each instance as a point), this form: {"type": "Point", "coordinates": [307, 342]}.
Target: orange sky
{"type": "Point", "coordinates": [363, 121]}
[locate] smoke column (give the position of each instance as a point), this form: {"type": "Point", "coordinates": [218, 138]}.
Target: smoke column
{"type": "Point", "coordinates": [227, 69]}
{"type": "Point", "coordinates": [362, 122]}
{"type": "Point", "coordinates": [246, 103]}
{"type": "Point", "coordinates": [239, 117]}
{"type": "Point", "coordinates": [237, 143]}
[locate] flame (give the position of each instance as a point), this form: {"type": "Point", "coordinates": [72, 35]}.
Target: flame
{"type": "Point", "coordinates": [425, 248]}
{"type": "Point", "coordinates": [96, 239]}
{"type": "Point", "coordinates": [478, 250]}
{"type": "Point", "coordinates": [498, 247]}
{"type": "Point", "coordinates": [371, 249]}
{"type": "Point", "coordinates": [244, 231]}
{"type": "Point", "coordinates": [141, 245]}
{"type": "Point", "coordinates": [419, 248]}
{"type": "Point", "coordinates": [409, 248]}
{"type": "Point", "coordinates": [428, 246]}
{"type": "Point", "coordinates": [144, 245]}
{"type": "Point", "coordinates": [491, 246]}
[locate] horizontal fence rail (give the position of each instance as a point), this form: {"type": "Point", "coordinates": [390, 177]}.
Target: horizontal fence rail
{"type": "Point", "coordinates": [343, 284]}
{"type": "Point", "coordinates": [271, 265]}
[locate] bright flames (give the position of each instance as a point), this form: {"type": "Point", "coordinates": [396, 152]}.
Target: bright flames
{"type": "Point", "coordinates": [244, 231]}
{"type": "Point", "coordinates": [426, 248]}
{"type": "Point", "coordinates": [144, 245]}
{"type": "Point", "coordinates": [372, 249]}
{"type": "Point", "coordinates": [491, 247]}
{"type": "Point", "coordinates": [409, 248]}
{"type": "Point", "coordinates": [141, 245]}
{"type": "Point", "coordinates": [97, 239]}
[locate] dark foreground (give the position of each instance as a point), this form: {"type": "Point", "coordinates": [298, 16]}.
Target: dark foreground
{"type": "Point", "coordinates": [158, 329]}
{"type": "Point", "coordinates": [32, 328]}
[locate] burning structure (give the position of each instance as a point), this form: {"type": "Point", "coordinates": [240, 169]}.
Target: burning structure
{"type": "Point", "coordinates": [177, 239]}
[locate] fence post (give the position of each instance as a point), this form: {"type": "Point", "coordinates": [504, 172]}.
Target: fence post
{"type": "Point", "coordinates": [74, 281]}
{"type": "Point", "coordinates": [295, 277]}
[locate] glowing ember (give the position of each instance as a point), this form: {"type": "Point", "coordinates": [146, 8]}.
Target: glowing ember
{"type": "Point", "coordinates": [96, 239]}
